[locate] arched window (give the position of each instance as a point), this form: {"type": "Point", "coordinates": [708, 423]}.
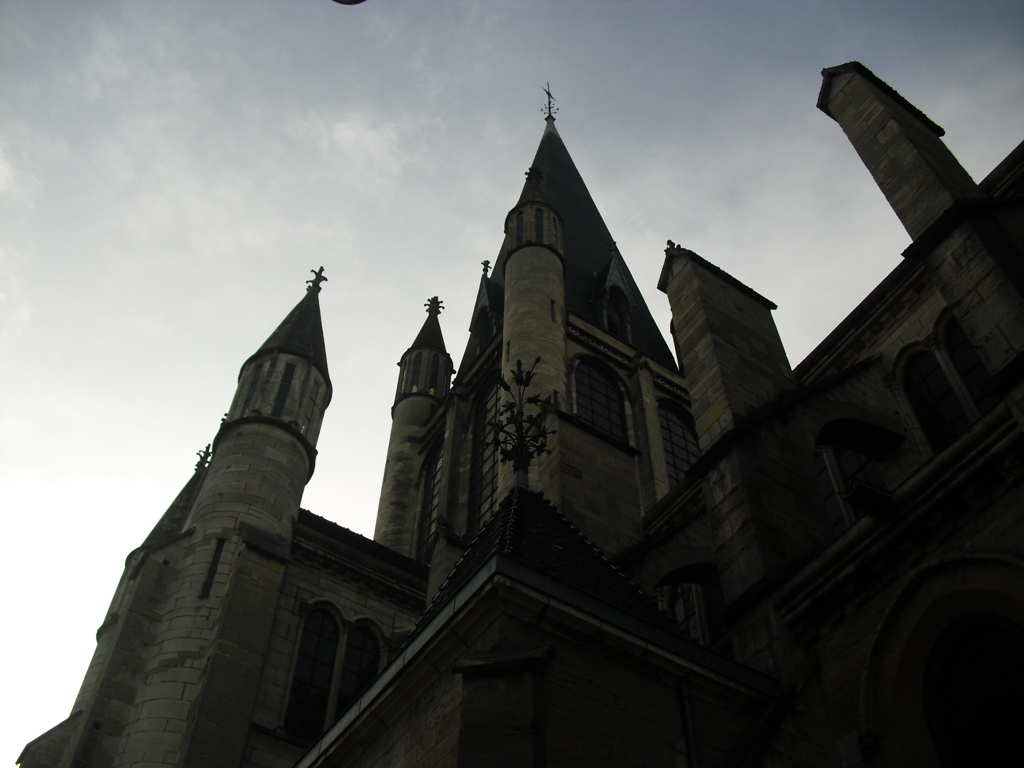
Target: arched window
{"type": "Point", "coordinates": [837, 469]}
{"type": "Point", "coordinates": [253, 386]}
{"type": "Point", "coordinates": [933, 399]}
{"type": "Point", "coordinates": [554, 231]}
{"type": "Point", "coordinates": [617, 314]}
{"type": "Point", "coordinates": [538, 225]}
{"type": "Point", "coordinates": [679, 439]}
{"type": "Point", "coordinates": [483, 472]}
{"type": "Point", "coordinates": [314, 392]}
{"type": "Point", "coordinates": [435, 368]}
{"type": "Point", "coordinates": [283, 390]}
{"type": "Point", "coordinates": [362, 660]}
{"type": "Point", "coordinates": [417, 366]}
{"type": "Point", "coordinates": [520, 236]}
{"type": "Point", "coordinates": [692, 597]}
{"type": "Point", "coordinates": [599, 400]}
{"type": "Point", "coordinates": [431, 499]}
{"type": "Point", "coordinates": [969, 366]}
{"type": "Point", "coordinates": [314, 669]}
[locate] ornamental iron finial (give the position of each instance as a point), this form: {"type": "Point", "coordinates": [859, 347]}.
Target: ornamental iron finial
{"type": "Point", "coordinates": [549, 109]}
{"type": "Point", "coordinates": [520, 436]}
{"type": "Point", "coordinates": [434, 306]}
{"type": "Point", "coordinates": [318, 277]}
{"type": "Point", "coordinates": [487, 267]}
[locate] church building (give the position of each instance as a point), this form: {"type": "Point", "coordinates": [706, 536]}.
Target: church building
{"type": "Point", "coordinates": [594, 548]}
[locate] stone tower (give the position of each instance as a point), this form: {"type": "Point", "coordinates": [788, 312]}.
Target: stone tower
{"type": "Point", "coordinates": [425, 372]}
{"type": "Point", "coordinates": [173, 680]}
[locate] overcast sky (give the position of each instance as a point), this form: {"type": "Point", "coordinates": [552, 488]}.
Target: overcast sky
{"type": "Point", "coordinates": [169, 172]}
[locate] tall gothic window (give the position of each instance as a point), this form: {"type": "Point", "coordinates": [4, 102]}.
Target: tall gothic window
{"type": "Point", "coordinates": [435, 369]}
{"type": "Point", "coordinates": [520, 235]}
{"type": "Point", "coordinates": [599, 400]}
{"type": "Point", "coordinates": [538, 225]}
{"type": "Point", "coordinates": [417, 366]}
{"type": "Point", "coordinates": [282, 391]}
{"type": "Point", "coordinates": [837, 469]}
{"type": "Point", "coordinates": [969, 366]}
{"type": "Point", "coordinates": [431, 500]}
{"type": "Point", "coordinates": [483, 472]}
{"type": "Point", "coordinates": [362, 660]}
{"type": "Point", "coordinates": [933, 399]}
{"type": "Point", "coordinates": [253, 386]}
{"type": "Point", "coordinates": [314, 391]}
{"type": "Point", "coordinates": [314, 670]}
{"type": "Point", "coordinates": [692, 597]}
{"type": "Point", "coordinates": [679, 439]}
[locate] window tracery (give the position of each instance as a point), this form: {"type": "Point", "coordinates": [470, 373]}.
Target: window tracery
{"type": "Point", "coordinates": [599, 400]}
{"type": "Point", "coordinates": [679, 440]}
{"type": "Point", "coordinates": [431, 500]}
{"type": "Point", "coordinates": [483, 478]}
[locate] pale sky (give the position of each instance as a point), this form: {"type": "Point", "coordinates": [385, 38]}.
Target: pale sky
{"type": "Point", "coordinates": [171, 171]}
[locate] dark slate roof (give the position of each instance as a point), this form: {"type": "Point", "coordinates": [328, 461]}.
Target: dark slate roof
{"type": "Point", "coordinates": [173, 520]}
{"type": "Point", "coordinates": [360, 543]}
{"type": "Point", "coordinates": [430, 336]}
{"type": "Point", "coordinates": [529, 529]}
{"type": "Point", "coordinates": [300, 333]}
{"type": "Point", "coordinates": [585, 243]}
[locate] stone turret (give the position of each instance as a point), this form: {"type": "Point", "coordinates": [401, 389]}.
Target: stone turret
{"type": "Point", "coordinates": [534, 310]}
{"type": "Point", "coordinates": [425, 372]}
{"type": "Point", "coordinates": [273, 424]}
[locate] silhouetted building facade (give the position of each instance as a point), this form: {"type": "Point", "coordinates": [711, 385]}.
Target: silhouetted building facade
{"type": "Point", "coordinates": [721, 560]}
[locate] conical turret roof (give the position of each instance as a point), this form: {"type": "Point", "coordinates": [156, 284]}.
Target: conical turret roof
{"type": "Point", "coordinates": [301, 333]}
{"type": "Point", "coordinates": [586, 242]}
{"type": "Point", "coordinates": [430, 336]}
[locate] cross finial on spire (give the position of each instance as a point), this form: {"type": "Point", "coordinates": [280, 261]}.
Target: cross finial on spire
{"type": "Point", "coordinates": [487, 267]}
{"type": "Point", "coordinates": [434, 306]}
{"type": "Point", "coordinates": [549, 109]}
{"type": "Point", "coordinates": [318, 277]}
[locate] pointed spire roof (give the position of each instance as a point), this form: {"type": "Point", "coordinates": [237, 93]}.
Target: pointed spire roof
{"type": "Point", "coordinates": [585, 242]}
{"type": "Point", "coordinates": [301, 332]}
{"type": "Point", "coordinates": [430, 336]}
{"type": "Point", "coordinates": [529, 529]}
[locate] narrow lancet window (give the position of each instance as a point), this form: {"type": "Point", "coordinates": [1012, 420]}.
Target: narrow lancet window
{"type": "Point", "coordinates": [679, 439]}
{"type": "Point", "coordinates": [431, 500]}
{"type": "Point", "coordinates": [969, 366]}
{"type": "Point", "coordinates": [520, 221]}
{"type": "Point", "coordinates": [538, 225]}
{"type": "Point", "coordinates": [314, 668]}
{"type": "Point", "coordinates": [435, 368]}
{"type": "Point", "coordinates": [253, 386]}
{"type": "Point", "coordinates": [362, 660]}
{"type": "Point", "coordinates": [938, 410]}
{"type": "Point", "coordinates": [314, 391]}
{"type": "Point", "coordinates": [417, 366]}
{"type": "Point", "coordinates": [282, 391]}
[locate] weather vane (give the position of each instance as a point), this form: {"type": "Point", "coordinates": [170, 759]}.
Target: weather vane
{"type": "Point", "coordinates": [434, 306]}
{"type": "Point", "coordinates": [549, 109]}
{"type": "Point", "coordinates": [318, 277]}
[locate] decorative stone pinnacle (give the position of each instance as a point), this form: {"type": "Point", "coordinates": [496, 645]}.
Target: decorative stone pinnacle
{"type": "Point", "coordinates": [434, 306]}
{"type": "Point", "coordinates": [534, 173]}
{"type": "Point", "coordinates": [318, 277]}
{"type": "Point", "coordinates": [204, 457]}
{"type": "Point", "coordinates": [549, 109]}
{"type": "Point", "coordinates": [487, 267]}
{"type": "Point", "coordinates": [521, 437]}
